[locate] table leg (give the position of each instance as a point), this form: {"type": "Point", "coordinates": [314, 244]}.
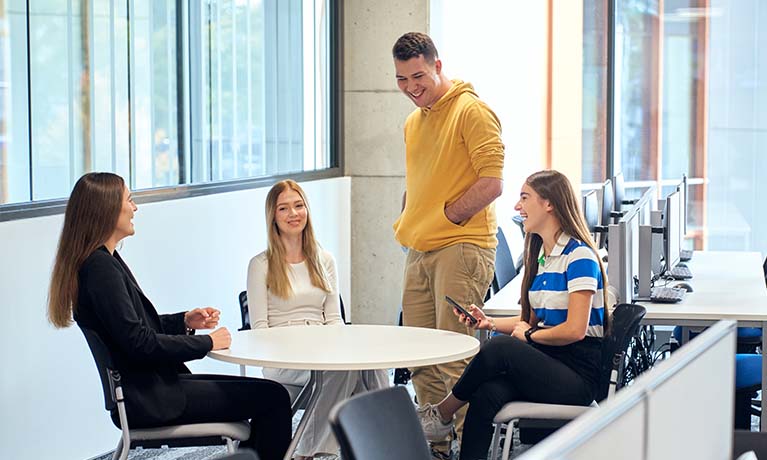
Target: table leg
{"type": "Point", "coordinates": [315, 383]}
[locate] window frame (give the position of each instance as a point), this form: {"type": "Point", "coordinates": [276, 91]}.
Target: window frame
{"type": "Point", "coordinates": [41, 208]}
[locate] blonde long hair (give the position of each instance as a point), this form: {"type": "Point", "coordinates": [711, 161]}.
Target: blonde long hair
{"type": "Point", "coordinates": [556, 188]}
{"type": "Point", "coordinates": [89, 221]}
{"type": "Point", "coordinates": [277, 281]}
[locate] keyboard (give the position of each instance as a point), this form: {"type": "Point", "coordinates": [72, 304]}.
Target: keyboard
{"type": "Point", "coordinates": [666, 295]}
{"type": "Point", "coordinates": [685, 255]}
{"type": "Point", "coordinates": [679, 273]}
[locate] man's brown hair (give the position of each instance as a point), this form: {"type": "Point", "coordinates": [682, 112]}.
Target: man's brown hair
{"type": "Point", "coordinates": [413, 44]}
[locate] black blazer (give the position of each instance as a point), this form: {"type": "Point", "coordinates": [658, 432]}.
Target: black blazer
{"type": "Point", "coordinates": [148, 349]}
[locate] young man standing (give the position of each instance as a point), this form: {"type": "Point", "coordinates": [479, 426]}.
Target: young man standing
{"type": "Point", "coordinates": [454, 172]}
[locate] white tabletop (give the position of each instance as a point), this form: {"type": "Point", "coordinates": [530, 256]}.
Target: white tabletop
{"type": "Point", "coordinates": [726, 285]}
{"type": "Point", "coordinates": [349, 347]}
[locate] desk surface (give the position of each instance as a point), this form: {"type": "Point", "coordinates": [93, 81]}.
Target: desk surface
{"type": "Point", "coordinates": [350, 347]}
{"type": "Point", "coordinates": [726, 285]}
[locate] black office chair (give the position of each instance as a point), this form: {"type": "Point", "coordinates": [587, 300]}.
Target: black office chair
{"type": "Point", "coordinates": [548, 417]}
{"type": "Point", "coordinates": [505, 267]}
{"type": "Point", "coordinates": [195, 434]}
{"type": "Point", "coordinates": [764, 267]}
{"type": "Point", "coordinates": [379, 425]}
{"type": "Point", "coordinates": [402, 375]}
{"type": "Point", "coordinates": [343, 310]}
{"type": "Point", "coordinates": [245, 312]}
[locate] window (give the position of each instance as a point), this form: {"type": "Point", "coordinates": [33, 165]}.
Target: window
{"type": "Point", "coordinates": [164, 93]}
{"type": "Point", "coordinates": [687, 100]}
{"type": "Point", "coordinates": [595, 76]}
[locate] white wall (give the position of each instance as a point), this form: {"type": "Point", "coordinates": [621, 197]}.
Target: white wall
{"type": "Point", "coordinates": [501, 49]}
{"type": "Point", "coordinates": [185, 253]}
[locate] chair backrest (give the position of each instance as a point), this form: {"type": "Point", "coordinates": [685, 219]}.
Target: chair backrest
{"type": "Point", "coordinates": [505, 269]}
{"type": "Point", "coordinates": [244, 312]}
{"type": "Point", "coordinates": [764, 267]}
{"type": "Point", "coordinates": [343, 310]}
{"type": "Point", "coordinates": [625, 325]}
{"type": "Point", "coordinates": [379, 425]}
{"type": "Point", "coordinates": [104, 365]}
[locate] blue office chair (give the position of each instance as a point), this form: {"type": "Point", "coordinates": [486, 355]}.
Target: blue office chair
{"type": "Point", "coordinates": [505, 267]}
{"type": "Point", "coordinates": [749, 338]}
{"type": "Point", "coordinates": [748, 371]}
{"type": "Point", "coordinates": [748, 380]}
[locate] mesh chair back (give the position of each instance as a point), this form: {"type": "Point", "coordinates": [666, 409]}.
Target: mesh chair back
{"type": "Point", "coordinates": [104, 365]}
{"type": "Point", "coordinates": [379, 425]}
{"type": "Point", "coordinates": [505, 269]}
{"type": "Point", "coordinates": [625, 325]}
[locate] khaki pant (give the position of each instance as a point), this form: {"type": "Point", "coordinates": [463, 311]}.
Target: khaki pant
{"type": "Point", "coordinates": [464, 272]}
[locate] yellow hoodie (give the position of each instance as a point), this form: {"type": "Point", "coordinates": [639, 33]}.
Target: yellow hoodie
{"type": "Point", "coordinates": [449, 147]}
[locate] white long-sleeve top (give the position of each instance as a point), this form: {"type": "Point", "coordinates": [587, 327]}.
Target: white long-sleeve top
{"type": "Point", "coordinates": [308, 304]}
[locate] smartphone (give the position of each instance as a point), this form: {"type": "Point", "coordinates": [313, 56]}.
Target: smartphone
{"type": "Point", "coordinates": [458, 307]}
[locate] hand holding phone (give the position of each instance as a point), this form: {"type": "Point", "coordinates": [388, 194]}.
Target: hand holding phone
{"type": "Point", "coordinates": [461, 309]}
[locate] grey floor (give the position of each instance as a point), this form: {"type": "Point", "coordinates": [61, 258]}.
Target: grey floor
{"type": "Point", "coordinates": [214, 452]}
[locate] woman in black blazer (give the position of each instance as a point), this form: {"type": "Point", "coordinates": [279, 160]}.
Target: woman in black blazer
{"type": "Point", "coordinates": [92, 285]}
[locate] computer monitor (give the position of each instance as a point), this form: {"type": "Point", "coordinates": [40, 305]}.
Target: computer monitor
{"type": "Point", "coordinates": [646, 204]}
{"type": "Point", "coordinates": [607, 204]}
{"type": "Point", "coordinates": [623, 255]}
{"type": "Point", "coordinates": [591, 210]}
{"type": "Point", "coordinates": [672, 230]}
{"type": "Point", "coordinates": [619, 191]}
{"type": "Point", "coordinates": [682, 188]}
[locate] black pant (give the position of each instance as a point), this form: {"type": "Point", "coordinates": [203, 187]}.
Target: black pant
{"type": "Point", "coordinates": [228, 398]}
{"type": "Point", "coordinates": [507, 369]}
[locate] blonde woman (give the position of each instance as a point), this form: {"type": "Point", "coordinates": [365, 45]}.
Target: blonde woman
{"type": "Point", "coordinates": [292, 283]}
{"type": "Point", "coordinates": [552, 352]}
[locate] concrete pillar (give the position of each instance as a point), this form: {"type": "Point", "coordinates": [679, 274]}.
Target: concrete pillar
{"type": "Point", "coordinates": [375, 113]}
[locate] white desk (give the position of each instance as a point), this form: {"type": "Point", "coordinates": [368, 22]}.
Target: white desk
{"type": "Point", "coordinates": [726, 285]}
{"type": "Point", "coordinates": [352, 347]}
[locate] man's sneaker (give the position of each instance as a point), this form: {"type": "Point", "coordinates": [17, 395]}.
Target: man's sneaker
{"type": "Point", "coordinates": [433, 426]}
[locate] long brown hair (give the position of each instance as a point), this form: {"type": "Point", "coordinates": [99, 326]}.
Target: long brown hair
{"type": "Point", "coordinates": [554, 187]}
{"type": "Point", "coordinates": [277, 281]}
{"type": "Point", "coordinates": [89, 221]}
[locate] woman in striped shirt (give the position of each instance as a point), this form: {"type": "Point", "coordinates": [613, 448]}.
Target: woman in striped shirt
{"type": "Point", "coordinates": [551, 353]}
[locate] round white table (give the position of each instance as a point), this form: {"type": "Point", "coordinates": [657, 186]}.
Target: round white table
{"type": "Point", "coordinates": [342, 347]}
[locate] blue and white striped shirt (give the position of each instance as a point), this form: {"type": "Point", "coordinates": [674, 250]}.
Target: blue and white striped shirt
{"type": "Point", "coordinates": [572, 266]}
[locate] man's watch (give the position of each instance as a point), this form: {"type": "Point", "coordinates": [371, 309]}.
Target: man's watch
{"type": "Point", "coordinates": [529, 334]}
